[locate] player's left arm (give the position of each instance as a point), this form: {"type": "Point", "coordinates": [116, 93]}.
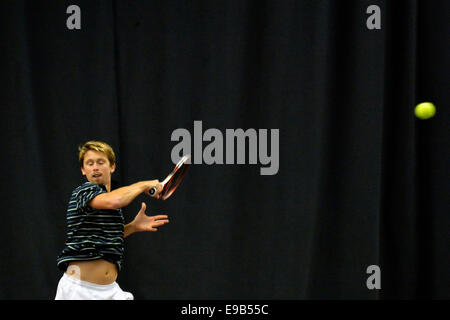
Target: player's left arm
{"type": "Point", "coordinates": [142, 222]}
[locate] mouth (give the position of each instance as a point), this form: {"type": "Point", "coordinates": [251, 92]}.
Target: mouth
{"type": "Point", "coordinates": [96, 175]}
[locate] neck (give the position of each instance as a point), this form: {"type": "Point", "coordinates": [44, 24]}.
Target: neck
{"type": "Point", "coordinates": [107, 185]}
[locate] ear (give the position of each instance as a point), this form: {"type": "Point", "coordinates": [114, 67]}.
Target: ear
{"type": "Point", "coordinates": [82, 171]}
{"type": "Point", "coordinates": [113, 168]}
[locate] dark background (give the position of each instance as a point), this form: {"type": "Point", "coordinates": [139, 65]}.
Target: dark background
{"type": "Point", "coordinates": [361, 181]}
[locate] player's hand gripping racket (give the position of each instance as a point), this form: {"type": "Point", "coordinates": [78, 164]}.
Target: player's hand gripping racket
{"type": "Point", "coordinates": [173, 180]}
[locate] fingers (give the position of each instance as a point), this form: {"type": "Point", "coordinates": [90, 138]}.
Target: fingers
{"type": "Point", "coordinates": [156, 185]}
{"type": "Point", "coordinates": [158, 223]}
{"type": "Point", "coordinates": [159, 188]}
{"type": "Point", "coordinates": [159, 217]}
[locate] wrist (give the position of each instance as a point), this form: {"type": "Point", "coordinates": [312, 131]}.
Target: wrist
{"type": "Point", "coordinates": [129, 229]}
{"type": "Point", "coordinates": [142, 186]}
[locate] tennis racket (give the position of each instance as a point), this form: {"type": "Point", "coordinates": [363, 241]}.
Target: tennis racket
{"type": "Point", "coordinates": [173, 180]}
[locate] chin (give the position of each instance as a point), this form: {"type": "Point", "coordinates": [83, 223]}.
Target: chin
{"type": "Point", "coordinates": [95, 181]}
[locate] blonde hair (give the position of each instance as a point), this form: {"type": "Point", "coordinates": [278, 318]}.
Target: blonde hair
{"type": "Point", "coordinates": [96, 146]}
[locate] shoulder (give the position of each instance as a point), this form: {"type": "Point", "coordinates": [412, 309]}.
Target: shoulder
{"type": "Point", "coordinates": [88, 187]}
{"type": "Point", "coordinates": [83, 194]}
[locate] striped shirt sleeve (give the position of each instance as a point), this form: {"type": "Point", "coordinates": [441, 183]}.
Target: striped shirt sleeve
{"type": "Point", "coordinates": [85, 194]}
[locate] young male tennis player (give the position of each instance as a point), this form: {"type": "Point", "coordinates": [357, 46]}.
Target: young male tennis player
{"type": "Point", "coordinates": [93, 252]}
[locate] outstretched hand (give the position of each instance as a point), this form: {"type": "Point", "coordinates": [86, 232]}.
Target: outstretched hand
{"type": "Point", "coordinates": [142, 222]}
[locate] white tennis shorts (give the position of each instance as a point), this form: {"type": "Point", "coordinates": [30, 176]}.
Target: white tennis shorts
{"type": "Point", "coordinates": [70, 288]}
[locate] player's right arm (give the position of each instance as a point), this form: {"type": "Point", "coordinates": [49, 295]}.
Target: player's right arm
{"type": "Point", "coordinates": [122, 197]}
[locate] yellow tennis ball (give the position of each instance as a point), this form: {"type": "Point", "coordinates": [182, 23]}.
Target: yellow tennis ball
{"type": "Point", "coordinates": [425, 110]}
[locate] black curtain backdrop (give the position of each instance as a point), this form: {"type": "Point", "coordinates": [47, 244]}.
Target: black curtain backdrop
{"type": "Point", "coordinates": [361, 181]}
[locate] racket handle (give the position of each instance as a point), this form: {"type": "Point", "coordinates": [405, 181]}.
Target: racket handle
{"type": "Point", "coordinates": [152, 191]}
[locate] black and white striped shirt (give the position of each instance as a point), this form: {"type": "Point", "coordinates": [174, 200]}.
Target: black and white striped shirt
{"type": "Point", "coordinates": [91, 233]}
